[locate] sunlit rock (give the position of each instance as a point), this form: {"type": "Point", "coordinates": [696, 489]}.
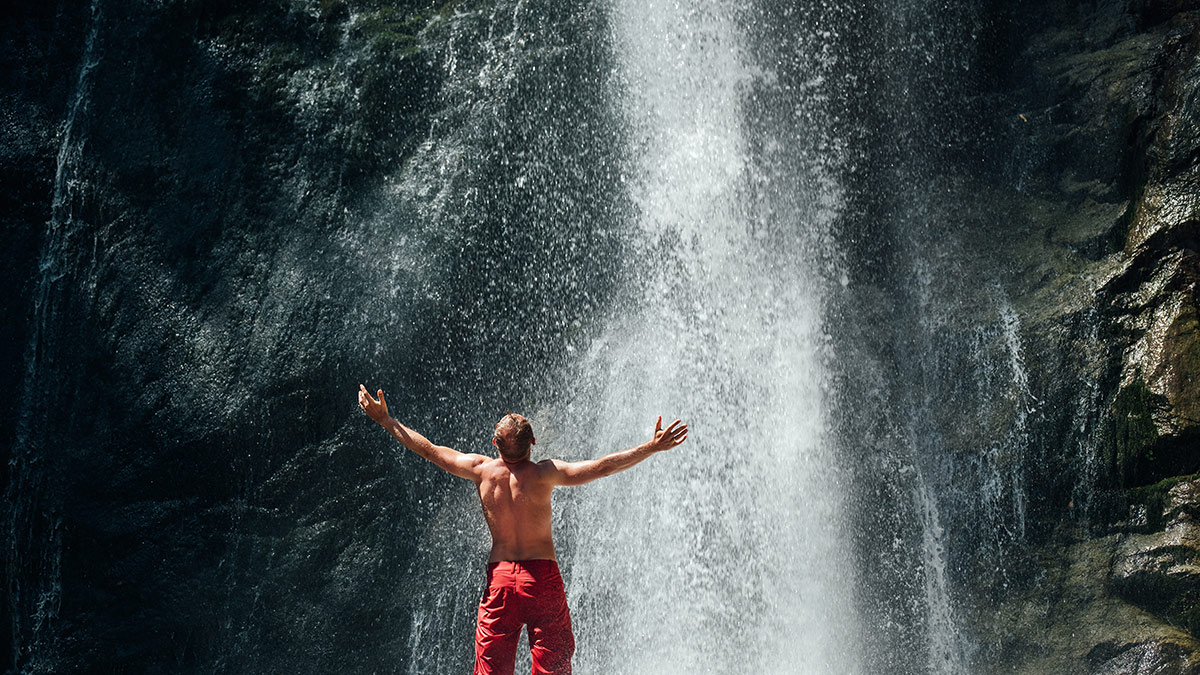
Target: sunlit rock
{"type": "Point", "coordinates": [1154, 657]}
{"type": "Point", "coordinates": [1066, 621]}
{"type": "Point", "coordinates": [1160, 571]}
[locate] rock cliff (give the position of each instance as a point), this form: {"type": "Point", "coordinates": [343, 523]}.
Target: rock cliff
{"type": "Point", "coordinates": [1106, 156]}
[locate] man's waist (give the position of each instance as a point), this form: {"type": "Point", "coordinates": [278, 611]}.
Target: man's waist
{"type": "Point", "coordinates": [532, 563]}
{"type": "Point", "coordinates": [535, 568]}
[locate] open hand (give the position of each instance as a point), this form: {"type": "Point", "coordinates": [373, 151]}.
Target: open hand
{"type": "Point", "coordinates": [665, 439]}
{"type": "Point", "coordinates": [376, 410]}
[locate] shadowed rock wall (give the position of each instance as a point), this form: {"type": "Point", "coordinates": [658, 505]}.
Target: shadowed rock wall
{"type": "Point", "coordinates": [1114, 155]}
{"type": "Point", "coordinates": [220, 217]}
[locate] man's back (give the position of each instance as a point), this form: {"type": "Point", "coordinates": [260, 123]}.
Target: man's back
{"type": "Point", "coordinates": [516, 504]}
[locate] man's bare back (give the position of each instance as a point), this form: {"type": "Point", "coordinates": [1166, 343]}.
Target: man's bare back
{"type": "Point", "coordinates": [516, 505]}
{"type": "Point", "coordinates": [515, 495]}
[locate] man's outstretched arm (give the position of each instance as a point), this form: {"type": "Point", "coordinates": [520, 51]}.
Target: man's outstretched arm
{"type": "Point", "coordinates": [578, 473]}
{"type": "Point", "coordinates": [453, 461]}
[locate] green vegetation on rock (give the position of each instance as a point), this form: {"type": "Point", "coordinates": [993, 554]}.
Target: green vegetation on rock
{"type": "Point", "coordinates": [1155, 498]}
{"type": "Point", "coordinates": [391, 32]}
{"type": "Point", "coordinates": [1132, 435]}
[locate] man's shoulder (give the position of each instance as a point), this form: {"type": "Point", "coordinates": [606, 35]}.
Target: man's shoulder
{"type": "Point", "coordinates": [543, 467]}
{"type": "Point", "coordinates": [551, 471]}
{"type": "Point", "coordinates": [490, 462]}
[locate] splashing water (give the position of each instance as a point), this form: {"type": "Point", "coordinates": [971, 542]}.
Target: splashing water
{"type": "Point", "coordinates": [724, 554]}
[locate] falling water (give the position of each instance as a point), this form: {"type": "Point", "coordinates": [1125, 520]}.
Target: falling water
{"type": "Point", "coordinates": [723, 555]}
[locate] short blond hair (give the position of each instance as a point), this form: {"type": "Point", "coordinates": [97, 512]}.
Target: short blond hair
{"type": "Point", "coordinates": [514, 435]}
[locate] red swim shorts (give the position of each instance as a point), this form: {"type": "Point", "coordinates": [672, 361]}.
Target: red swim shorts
{"type": "Point", "coordinates": [526, 592]}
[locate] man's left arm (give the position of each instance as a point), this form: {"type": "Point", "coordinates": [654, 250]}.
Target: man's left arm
{"type": "Point", "coordinates": [460, 464]}
{"type": "Point", "coordinates": [578, 473]}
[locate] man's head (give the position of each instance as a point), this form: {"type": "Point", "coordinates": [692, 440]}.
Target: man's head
{"type": "Point", "coordinates": [513, 437]}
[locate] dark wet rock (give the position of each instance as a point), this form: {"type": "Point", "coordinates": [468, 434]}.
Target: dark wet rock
{"type": "Point", "coordinates": [209, 498]}
{"type": "Point", "coordinates": [1183, 504]}
{"type": "Point", "coordinates": [1152, 297]}
{"type": "Point", "coordinates": [1157, 657]}
{"type": "Point", "coordinates": [1121, 603]}
{"type": "Point", "coordinates": [1105, 272]}
{"type": "Point", "coordinates": [1160, 571]}
{"type": "Point", "coordinates": [1091, 220]}
{"type": "Point", "coordinates": [1067, 621]}
{"type": "Point", "coordinates": [1157, 414]}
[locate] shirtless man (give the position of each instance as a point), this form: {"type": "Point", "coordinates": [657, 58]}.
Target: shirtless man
{"type": "Point", "coordinates": [524, 585]}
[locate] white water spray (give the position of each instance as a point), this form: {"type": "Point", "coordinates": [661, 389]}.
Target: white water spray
{"type": "Point", "coordinates": [723, 555]}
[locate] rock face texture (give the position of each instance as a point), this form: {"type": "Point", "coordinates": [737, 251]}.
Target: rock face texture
{"type": "Point", "coordinates": [1067, 621]}
{"type": "Point", "coordinates": [1029, 393]}
{"type": "Point", "coordinates": [188, 485]}
{"type": "Point", "coordinates": [1107, 275]}
{"type": "Point", "coordinates": [1159, 571]}
{"type": "Point", "coordinates": [1153, 295]}
{"type": "Point", "coordinates": [1111, 96]}
{"type": "Point", "coordinates": [1122, 603]}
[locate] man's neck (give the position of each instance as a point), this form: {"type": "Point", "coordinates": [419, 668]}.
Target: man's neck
{"type": "Point", "coordinates": [513, 463]}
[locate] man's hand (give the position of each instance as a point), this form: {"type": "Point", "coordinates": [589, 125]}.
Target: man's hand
{"type": "Point", "coordinates": [665, 439]}
{"type": "Point", "coordinates": [448, 459]}
{"type": "Point", "coordinates": [376, 410]}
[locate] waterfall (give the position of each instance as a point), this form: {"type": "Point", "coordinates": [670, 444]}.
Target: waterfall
{"type": "Point", "coordinates": [724, 555]}
{"type": "Point", "coordinates": [727, 553]}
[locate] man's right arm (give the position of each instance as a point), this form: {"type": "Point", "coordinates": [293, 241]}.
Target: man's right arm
{"type": "Point", "coordinates": [452, 461]}
{"type": "Point", "coordinates": [578, 473]}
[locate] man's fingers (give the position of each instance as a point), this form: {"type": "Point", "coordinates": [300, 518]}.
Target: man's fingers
{"type": "Point", "coordinates": [671, 429]}
{"type": "Point", "coordinates": [658, 425]}
{"type": "Point", "coordinates": [365, 399]}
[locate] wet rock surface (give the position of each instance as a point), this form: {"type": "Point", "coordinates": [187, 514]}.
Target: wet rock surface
{"type": "Point", "coordinates": [1107, 273]}
{"type": "Point", "coordinates": [1153, 297]}
{"type": "Point", "coordinates": [1110, 163]}
{"type": "Point", "coordinates": [1163, 657]}
{"type": "Point", "coordinates": [1160, 571]}
{"type": "Point", "coordinates": [198, 195]}
{"type": "Point", "coordinates": [1066, 620]}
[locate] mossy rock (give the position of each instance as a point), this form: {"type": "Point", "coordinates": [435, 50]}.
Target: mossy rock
{"type": "Point", "coordinates": [1156, 498]}
{"type": "Point", "coordinates": [391, 32]}
{"type": "Point", "coordinates": [1132, 435]}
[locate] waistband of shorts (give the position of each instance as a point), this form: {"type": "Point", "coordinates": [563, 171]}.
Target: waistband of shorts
{"type": "Point", "coordinates": [531, 566]}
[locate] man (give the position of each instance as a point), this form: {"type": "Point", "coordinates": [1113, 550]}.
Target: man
{"type": "Point", "coordinates": [524, 584]}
